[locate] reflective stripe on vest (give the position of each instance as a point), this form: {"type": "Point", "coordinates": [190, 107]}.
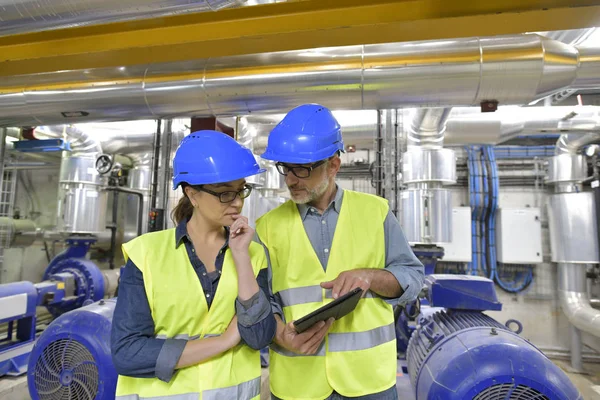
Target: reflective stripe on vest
{"type": "Point", "coordinates": [183, 336]}
{"type": "Point", "coordinates": [188, 337]}
{"type": "Point", "coordinates": [348, 341]}
{"type": "Point", "coordinates": [245, 390]}
{"type": "Point", "coordinates": [353, 341]}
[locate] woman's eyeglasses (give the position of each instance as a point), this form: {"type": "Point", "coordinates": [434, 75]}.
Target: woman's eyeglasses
{"type": "Point", "coordinates": [230, 195]}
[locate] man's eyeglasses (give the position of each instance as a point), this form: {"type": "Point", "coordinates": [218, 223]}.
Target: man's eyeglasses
{"type": "Point", "coordinates": [230, 195]}
{"type": "Point", "coordinates": [299, 171]}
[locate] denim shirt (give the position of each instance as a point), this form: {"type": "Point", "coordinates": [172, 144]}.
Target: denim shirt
{"type": "Point", "coordinates": [137, 353]}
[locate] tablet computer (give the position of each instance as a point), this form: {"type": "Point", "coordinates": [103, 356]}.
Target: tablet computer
{"type": "Point", "coordinates": [336, 309]}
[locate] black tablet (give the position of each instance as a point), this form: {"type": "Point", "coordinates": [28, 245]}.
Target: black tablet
{"type": "Point", "coordinates": [336, 309]}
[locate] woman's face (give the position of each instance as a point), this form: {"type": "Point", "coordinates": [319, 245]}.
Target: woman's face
{"type": "Point", "coordinates": [207, 202]}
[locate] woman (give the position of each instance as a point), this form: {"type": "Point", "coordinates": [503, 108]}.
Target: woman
{"type": "Point", "coordinates": [190, 318]}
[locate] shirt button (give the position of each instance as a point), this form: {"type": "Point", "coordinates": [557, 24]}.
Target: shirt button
{"type": "Point", "coordinates": [204, 274]}
{"type": "Point", "coordinates": [207, 294]}
{"type": "Point", "coordinates": [323, 222]}
{"type": "Point", "coordinates": [219, 271]}
{"type": "Point", "coordinates": [313, 210]}
{"type": "Point", "coordinates": [193, 250]}
{"type": "Point", "coordinates": [326, 250]}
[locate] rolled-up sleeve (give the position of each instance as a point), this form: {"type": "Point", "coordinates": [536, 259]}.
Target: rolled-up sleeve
{"type": "Point", "coordinates": [135, 350]}
{"type": "Point", "coordinates": [401, 261]}
{"type": "Point", "coordinates": [256, 323]}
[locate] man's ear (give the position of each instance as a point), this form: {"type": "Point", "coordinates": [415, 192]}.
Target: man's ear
{"type": "Point", "coordinates": [334, 165]}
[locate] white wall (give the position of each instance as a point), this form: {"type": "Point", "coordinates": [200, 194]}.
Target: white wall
{"type": "Point", "coordinates": [537, 308]}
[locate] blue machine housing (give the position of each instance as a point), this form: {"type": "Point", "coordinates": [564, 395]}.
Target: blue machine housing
{"type": "Point", "coordinates": [70, 282]}
{"type": "Point", "coordinates": [17, 305]}
{"type": "Point", "coordinates": [464, 354]}
{"type": "Point", "coordinates": [89, 284]}
{"type": "Point", "coordinates": [72, 358]}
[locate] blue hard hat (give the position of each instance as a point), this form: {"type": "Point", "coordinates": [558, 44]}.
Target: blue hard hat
{"type": "Point", "coordinates": [307, 134]}
{"type": "Point", "coordinates": [206, 157]}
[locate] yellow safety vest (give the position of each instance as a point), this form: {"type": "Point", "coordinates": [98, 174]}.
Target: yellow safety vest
{"type": "Point", "coordinates": [358, 356]}
{"type": "Point", "coordinates": [179, 310]}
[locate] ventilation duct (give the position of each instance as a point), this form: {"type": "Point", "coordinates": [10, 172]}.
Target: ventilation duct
{"type": "Point", "coordinates": [427, 166]}
{"type": "Point", "coordinates": [469, 126]}
{"type": "Point", "coordinates": [459, 72]}
{"type": "Point", "coordinates": [25, 16]}
{"type": "Point", "coordinates": [81, 200]}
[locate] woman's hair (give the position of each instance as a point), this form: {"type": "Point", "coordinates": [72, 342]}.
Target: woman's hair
{"type": "Point", "coordinates": [184, 209]}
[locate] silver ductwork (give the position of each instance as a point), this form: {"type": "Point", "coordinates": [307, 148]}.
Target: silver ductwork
{"type": "Point", "coordinates": [573, 233]}
{"type": "Point", "coordinates": [25, 16]}
{"type": "Point", "coordinates": [81, 200]}
{"type": "Point", "coordinates": [426, 167]}
{"type": "Point", "coordinates": [470, 126]}
{"type": "Point", "coordinates": [458, 72]}
{"type": "Point", "coordinates": [427, 127]}
{"type": "Point", "coordinates": [574, 300]}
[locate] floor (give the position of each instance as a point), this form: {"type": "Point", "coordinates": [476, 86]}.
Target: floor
{"type": "Point", "coordinates": [587, 383]}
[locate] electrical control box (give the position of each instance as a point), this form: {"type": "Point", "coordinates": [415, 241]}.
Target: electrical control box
{"type": "Point", "coordinates": [518, 235]}
{"type": "Point", "coordinates": [156, 220]}
{"type": "Point", "coordinates": [459, 249]}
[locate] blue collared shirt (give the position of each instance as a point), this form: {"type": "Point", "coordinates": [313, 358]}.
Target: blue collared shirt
{"type": "Point", "coordinates": [399, 257]}
{"type": "Point", "coordinates": [137, 353]}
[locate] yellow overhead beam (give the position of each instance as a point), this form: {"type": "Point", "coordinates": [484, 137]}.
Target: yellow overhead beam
{"type": "Point", "coordinates": [284, 26]}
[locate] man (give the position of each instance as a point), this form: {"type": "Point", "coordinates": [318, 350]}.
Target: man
{"type": "Point", "coordinates": [323, 243]}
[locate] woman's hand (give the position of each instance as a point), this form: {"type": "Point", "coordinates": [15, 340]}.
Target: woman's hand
{"type": "Point", "coordinates": [240, 234]}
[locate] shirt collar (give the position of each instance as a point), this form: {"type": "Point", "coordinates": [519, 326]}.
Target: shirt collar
{"type": "Point", "coordinates": [336, 204]}
{"type": "Point", "coordinates": [181, 233]}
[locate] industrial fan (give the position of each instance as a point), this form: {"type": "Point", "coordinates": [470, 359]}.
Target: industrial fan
{"type": "Point", "coordinates": [71, 360]}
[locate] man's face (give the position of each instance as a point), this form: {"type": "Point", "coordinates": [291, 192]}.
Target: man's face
{"type": "Point", "coordinates": [307, 189]}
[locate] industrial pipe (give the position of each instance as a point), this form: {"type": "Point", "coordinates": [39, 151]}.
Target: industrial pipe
{"type": "Point", "coordinates": [574, 299]}
{"type": "Point", "coordinates": [140, 197]}
{"type": "Point", "coordinates": [514, 69]}
{"type": "Point", "coordinates": [25, 16]}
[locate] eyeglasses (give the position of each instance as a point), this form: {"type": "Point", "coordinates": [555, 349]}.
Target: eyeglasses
{"type": "Point", "coordinates": [230, 195]}
{"type": "Point", "coordinates": [300, 171]}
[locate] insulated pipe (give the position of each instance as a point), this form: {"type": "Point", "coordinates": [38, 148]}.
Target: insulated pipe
{"type": "Point", "coordinates": [571, 143]}
{"type": "Point", "coordinates": [427, 127]}
{"type": "Point", "coordinates": [467, 126]}
{"type": "Point", "coordinates": [574, 299]}
{"type": "Point", "coordinates": [514, 69]}
{"type": "Point", "coordinates": [24, 16]}
{"type": "Point", "coordinates": [81, 143]}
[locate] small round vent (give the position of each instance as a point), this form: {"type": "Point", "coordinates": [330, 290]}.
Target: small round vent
{"type": "Point", "coordinates": [508, 391]}
{"type": "Point", "coordinates": [66, 371]}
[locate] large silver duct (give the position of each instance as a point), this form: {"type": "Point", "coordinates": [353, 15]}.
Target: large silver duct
{"type": "Point", "coordinates": [458, 72]}
{"type": "Point", "coordinates": [426, 167]}
{"type": "Point", "coordinates": [574, 232]}
{"type": "Point", "coordinates": [427, 127]}
{"type": "Point", "coordinates": [81, 200]}
{"type": "Point", "coordinates": [25, 16]}
{"type": "Point", "coordinates": [469, 126]}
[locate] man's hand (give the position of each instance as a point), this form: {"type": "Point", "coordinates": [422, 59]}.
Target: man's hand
{"type": "Point", "coordinates": [348, 280]}
{"type": "Point", "coordinates": [307, 342]}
